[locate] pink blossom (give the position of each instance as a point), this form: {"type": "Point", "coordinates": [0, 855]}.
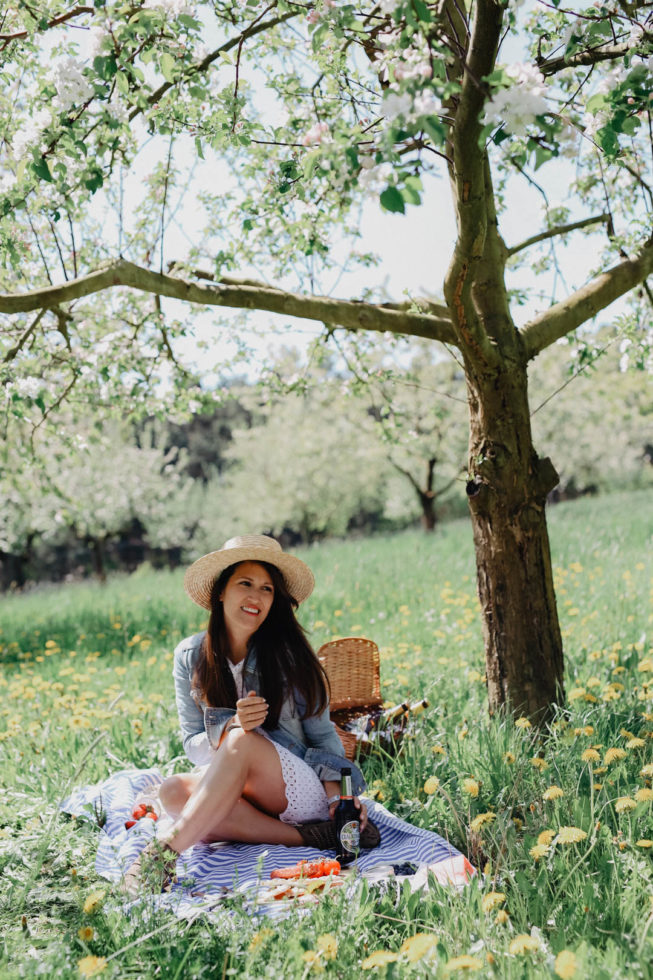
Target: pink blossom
{"type": "Point", "coordinates": [313, 17]}
{"type": "Point", "coordinates": [316, 134]}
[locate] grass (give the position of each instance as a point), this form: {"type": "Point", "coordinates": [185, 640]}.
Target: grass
{"type": "Point", "coordinates": [86, 679]}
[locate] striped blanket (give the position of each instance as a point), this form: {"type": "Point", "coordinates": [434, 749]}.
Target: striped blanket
{"type": "Point", "coordinates": [214, 871]}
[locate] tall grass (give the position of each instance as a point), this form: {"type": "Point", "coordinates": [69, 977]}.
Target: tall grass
{"type": "Point", "coordinates": [87, 688]}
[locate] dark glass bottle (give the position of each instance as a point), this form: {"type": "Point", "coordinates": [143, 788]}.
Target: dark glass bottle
{"type": "Point", "coordinates": [347, 822]}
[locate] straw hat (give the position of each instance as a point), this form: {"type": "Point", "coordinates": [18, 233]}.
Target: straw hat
{"type": "Point", "coordinates": [199, 578]}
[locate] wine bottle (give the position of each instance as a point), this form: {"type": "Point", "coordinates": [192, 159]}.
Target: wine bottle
{"type": "Point", "coordinates": [347, 823]}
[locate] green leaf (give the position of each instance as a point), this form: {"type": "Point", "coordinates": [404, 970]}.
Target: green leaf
{"type": "Point", "coordinates": [435, 129]}
{"type": "Point", "coordinates": [422, 11]}
{"type": "Point", "coordinates": [392, 200]}
{"type": "Point", "coordinates": [410, 195]}
{"type": "Point", "coordinates": [41, 169]}
{"type": "Point", "coordinates": [167, 65]}
{"type": "Point", "coordinates": [122, 82]}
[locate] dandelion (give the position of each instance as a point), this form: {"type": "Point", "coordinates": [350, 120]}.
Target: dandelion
{"type": "Point", "coordinates": [417, 946]}
{"type": "Point", "coordinates": [613, 755]}
{"type": "Point", "coordinates": [431, 785]}
{"type": "Point", "coordinates": [565, 964]}
{"type": "Point", "coordinates": [86, 933]}
{"type": "Point", "coordinates": [490, 901]}
{"type": "Point", "coordinates": [259, 938]}
{"type": "Point", "coordinates": [471, 787]}
{"type": "Point", "coordinates": [538, 763]}
{"type": "Point", "coordinates": [576, 693]}
{"type": "Point", "coordinates": [647, 771]}
{"type": "Point", "coordinates": [644, 794]}
{"type": "Point", "coordinates": [597, 787]}
{"type": "Point", "coordinates": [90, 966]}
{"type": "Point", "coordinates": [501, 917]}
{"type": "Point", "coordinates": [538, 851]}
{"type": "Point", "coordinates": [644, 842]}
{"type": "Point", "coordinates": [509, 758]}
{"type": "Point", "coordinates": [546, 836]}
{"type": "Point", "coordinates": [482, 819]}
{"type": "Point", "coordinates": [590, 755]}
{"type": "Point", "coordinates": [465, 962]}
{"type": "Point", "coordinates": [312, 958]}
{"type": "Point", "coordinates": [379, 958]}
{"type": "Point", "coordinates": [438, 750]}
{"type": "Point", "coordinates": [624, 804]}
{"type": "Point", "coordinates": [553, 793]}
{"type": "Point", "coordinates": [524, 944]}
{"type": "Point", "coordinates": [570, 835]}
{"type": "Point", "coordinates": [328, 945]}
{"type": "Point", "coordinates": [523, 723]}
{"type": "Point", "coordinates": [94, 901]}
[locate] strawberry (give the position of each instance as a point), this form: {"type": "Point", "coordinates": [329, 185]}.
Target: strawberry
{"type": "Point", "coordinates": [139, 811]}
{"type": "Point", "coordinates": [129, 823]}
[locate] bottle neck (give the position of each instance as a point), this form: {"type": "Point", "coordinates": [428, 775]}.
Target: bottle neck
{"type": "Point", "coordinates": [345, 786]}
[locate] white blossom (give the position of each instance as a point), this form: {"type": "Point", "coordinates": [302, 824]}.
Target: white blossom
{"type": "Point", "coordinates": [396, 104]}
{"type": "Point", "coordinates": [97, 38]}
{"type": "Point", "coordinates": [28, 387]}
{"type": "Point", "coordinates": [374, 180]}
{"type": "Point", "coordinates": [389, 6]}
{"type": "Point", "coordinates": [30, 134]}
{"type": "Point", "coordinates": [319, 133]}
{"type": "Point", "coordinates": [425, 103]}
{"type": "Point", "coordinates": [7, 181]}
{"type": "Point", "coordinates": [518, 105]}
{"type": "Point", "coordinates": [172, 7]}
{"type": "Point", "coordinates": [71, 85]}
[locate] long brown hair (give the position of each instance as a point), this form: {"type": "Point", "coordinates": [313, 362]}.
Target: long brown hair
{"type": "Point", "coordinates": [285, 661]}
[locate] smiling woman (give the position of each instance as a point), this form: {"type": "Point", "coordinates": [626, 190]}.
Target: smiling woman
{"type": "Point", "coordinates": [254, 714]}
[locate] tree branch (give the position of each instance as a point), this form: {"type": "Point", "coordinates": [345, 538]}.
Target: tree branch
{"type": "Point", "coordinates": [351, 314]}
{"type": "Point", "coordinates": [550, 66]}
{"type": "Point", "coordinates": [586, 302]}
{"type": "Point", "coordinates": [558, 230]}
{"type": "Point", "coordinates": [61, 19]}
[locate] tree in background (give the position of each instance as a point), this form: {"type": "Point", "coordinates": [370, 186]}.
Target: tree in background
{"type": "Point", "coordinates": [311, 105]}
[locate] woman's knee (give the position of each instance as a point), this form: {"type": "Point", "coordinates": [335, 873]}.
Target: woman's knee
{"type": "Point", "coordinates": [242, 743]}
{"type": "Point", "coordinates": [173, 793]}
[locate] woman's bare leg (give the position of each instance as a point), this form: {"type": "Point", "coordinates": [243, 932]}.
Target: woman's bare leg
{"type": "Point", "coordinates": [246, 765]}
{"type": "Point", "coordinates": [244, 824]}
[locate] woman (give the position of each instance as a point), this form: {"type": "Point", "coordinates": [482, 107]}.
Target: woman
{"type": "Point", "coordinates": [253, 708]}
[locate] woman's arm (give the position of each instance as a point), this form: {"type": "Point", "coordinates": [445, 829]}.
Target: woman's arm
{"type": "Point", "coordinates": [191, 717]}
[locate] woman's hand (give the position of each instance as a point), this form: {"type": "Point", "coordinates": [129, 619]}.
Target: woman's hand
{"type": "Point", "coordinates": [251, 711]}
{"type": "Point", "coordinates": [359, 806]}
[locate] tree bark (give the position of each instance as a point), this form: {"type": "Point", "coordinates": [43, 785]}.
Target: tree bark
{"type": "Point", "coordinates": [507, 494]}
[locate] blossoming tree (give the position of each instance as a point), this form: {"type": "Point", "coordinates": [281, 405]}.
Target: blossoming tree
{"type": "Point", "coordinates": [311, 104]}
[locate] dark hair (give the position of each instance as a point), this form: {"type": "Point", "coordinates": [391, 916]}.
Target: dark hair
{"type": "Point", "coordinates": [285, 660]}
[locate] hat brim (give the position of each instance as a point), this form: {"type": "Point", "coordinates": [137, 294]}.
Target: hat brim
{"type": "Point", "coordinates": [199, 578]}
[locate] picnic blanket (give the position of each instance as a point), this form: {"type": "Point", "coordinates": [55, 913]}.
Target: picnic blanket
{"type": "Point", "coordinates": [209, 872]}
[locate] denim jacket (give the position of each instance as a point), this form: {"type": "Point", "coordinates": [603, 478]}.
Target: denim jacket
{"type": "Point", "coordinates": [313, 739]}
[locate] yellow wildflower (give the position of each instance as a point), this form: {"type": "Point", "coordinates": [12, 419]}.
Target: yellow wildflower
{"type": "Point", "coordinates": [538, 851]}
{"type": "Point", "coordinates": [379, 958]}
{"type": "Point", "coordinates": [597, 787]}
{"type": "Point", "coordinates": [553, 793]}
{"type": "Point", "coordinates": [613, 755]}
{"type": "Point", "coordinates": [644, 794]}
{"type": "Point", "coordinates": [259, 938]}
{"type": "Point", "coordinates": [624, 804]}
{"type": "Point", "coordinates": [418, 946]}
{"type": "Point", "coordinates": [471, 787]}
{"type": "Point", "coordinates": [635, 743]}
{"type": "Point", "coordinates": [465, 962]}
{"type": "Point", "coordinates": [570, 835]}
{"type": "Point", "coordinates": [546, 836]}
{"type": "Point", "coordinates": [501, 917]}
{"type": "Point", "coordinates": [86, 933]}
{"type": "Point", "coordinates": [538, 763]}
{"type": "Point", "coordinates": [644, 842]}
{"type": "Point", "coordinates": [327, 945]}
{"type": "Point", "coordinates": [431, 785]}
{"type": "Point", "coordinates": [90, 966]}
{"type": "Point", "coordinates": [438, 750]}
{"type": "Point", "coordinates": [94, 901]}
{"type": "Point", "coordinates": [509, 758]}
{"type": "Point", "coordinates": [524, 944]}
{"type": "Point", "coordinates": [492, 900]}
{"type": "Point", "coordinates": [565, 964]}
{"type": "Point", "coordinates": [482, 819]}
{"type": "Point", "coordinates": [523, 723]}
{"type": "Point", "coordinates": [313, 959]}
{"type": "Point", "coordinates": [576, 693]}
{"type": "Point", "coordinates": [590, 755]}
{"type": "Point", "coordinates": [647, 771]}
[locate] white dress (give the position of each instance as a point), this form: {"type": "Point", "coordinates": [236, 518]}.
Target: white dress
{"type": "Point", "coordinates": [305, 793]}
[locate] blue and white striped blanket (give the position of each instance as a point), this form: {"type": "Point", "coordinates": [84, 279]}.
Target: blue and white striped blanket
{"type": "Point", "coordinates": [214, 870]}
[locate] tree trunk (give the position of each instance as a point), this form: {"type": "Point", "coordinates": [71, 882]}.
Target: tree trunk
{"type": "Point", "coordinates": [98, 552]}
{"type": "Point", "coordinates": [429, 517]}
{"type": "Point", "coordinates": [507, 495]}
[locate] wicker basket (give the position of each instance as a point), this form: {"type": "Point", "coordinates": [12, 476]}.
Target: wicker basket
{"type": "Point", "coordinates": [352, 666]}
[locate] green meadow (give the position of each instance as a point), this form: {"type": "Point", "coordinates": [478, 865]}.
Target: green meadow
{"type": "Point", "coordinates": [560, 823]}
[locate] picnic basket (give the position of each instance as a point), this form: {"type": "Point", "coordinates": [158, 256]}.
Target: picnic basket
{"type": "Point", "coordinates": [352, 666]}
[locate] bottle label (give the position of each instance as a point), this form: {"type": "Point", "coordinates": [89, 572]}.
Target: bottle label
{"type": "Point", "coordinates": [350, 836]}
